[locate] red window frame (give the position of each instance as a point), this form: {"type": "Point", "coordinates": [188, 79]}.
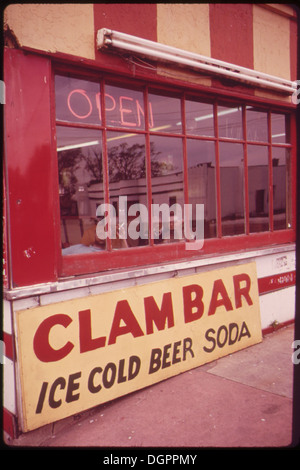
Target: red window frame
{"type": "Point", "coordinates": [146, 255]}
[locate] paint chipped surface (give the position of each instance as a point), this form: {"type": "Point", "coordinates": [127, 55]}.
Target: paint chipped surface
{"type": "Point", "coordinates": [64, 28]}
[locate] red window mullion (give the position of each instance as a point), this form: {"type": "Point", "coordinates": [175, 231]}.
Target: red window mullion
{"type": "Point", "coordinates": [218, 178]}
{"type": "Point", "coordinates": [78, 125]}
{"type": "Point", "coordinates": [246, 188]}
{"type": "Point", "coordinates": [293, 181]}
{"type": "Point", "coordinates": [148, 167]}
{"type": "Point", "coordinates": [125, 130]}
{"type": "Point", "coordinates": [56, 214]}
{"type": "Point", "coordinates": [185, 165]}
{"type": "Point", "coordinates": [105, 159]}
{"type": "Point", "coordinates": [270, 173]}
{"type": "Point", "coordinates": [285, 146]}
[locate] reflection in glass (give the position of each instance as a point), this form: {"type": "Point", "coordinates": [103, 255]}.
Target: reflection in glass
{"type": "Point", "coordinates": [199, 118]}
{"type": "Point", "coordinates": [201, 182]}
{"type": "Point", "coordinates": [281, 181]}
{"type": "Point", "coordinates": [280, 128]}
{"type": "Point", "coordinates": [80, 187]}
{"type": "Point", "coordinates": [257, 125]}
{"type": "Point", "coordinates": [127, 178]}
{"type": "Point", "coordinates": [258, 184]}
{"type": "Point", "coordinates": [77, 100]}
{"type": "Point", "coordinates": [230, 122]}
{"type": "Point", "coordinates": [166, 113]}
{"type": "Point", "coordinates": [232, 188]}
{"type": "Point", "coordinates": [124, 107]}
{"type": "Point", "coordinates": [167, 183]}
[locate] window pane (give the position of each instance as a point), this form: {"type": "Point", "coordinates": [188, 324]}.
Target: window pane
{"type": "Point", "coordinates": [230, 122]}
{"type": "Point", "coordinates": [127, 187]}
{"type": "Point", "coordinates": [258, 184]}
{"type": "Point", "coordinates": [124, 107]}
{"type": "Point", "coordinates": [201, 182]}
{"type": "Point", "coordinates": [280, 128]}
{"type": "Point", "coordinates": [232, 188]}
{"type": "Point", "coordinates": [166, 113]}
{"type": "Point", "coordinates": [257, 125]}
{"type": "Point", "coordinates": [77, 100]}
{"type": "Point", "coordinates": [199, 118]}
{"type": "Point", "coordinates": [167, 186]}
{"type": "Point", "coordinates": [80, 188]}
{"type": "Point", "coordinates": [281, 185]}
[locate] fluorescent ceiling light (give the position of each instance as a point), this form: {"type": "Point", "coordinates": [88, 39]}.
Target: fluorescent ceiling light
{"type": "Point", "coordinates": [220, 113]}
{"type": "Point", "coordinates": [279, 135]}
{"type": "Point", "coordinates": [78, 146]}
{"type": "Point", "coordinates": [210, 116]}
{"type": "Point", "coordinates": [110, 40]}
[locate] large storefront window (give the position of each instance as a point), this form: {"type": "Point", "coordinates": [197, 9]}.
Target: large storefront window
{"type": "Point", "coordinates": [132, 148]}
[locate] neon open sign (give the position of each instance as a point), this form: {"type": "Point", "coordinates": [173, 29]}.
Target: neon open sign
{"type": "Point", "coordinates": [123, 110]}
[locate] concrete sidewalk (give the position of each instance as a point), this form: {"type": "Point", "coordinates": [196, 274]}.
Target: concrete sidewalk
{"type": "Point", "coordinates": [242, 400]}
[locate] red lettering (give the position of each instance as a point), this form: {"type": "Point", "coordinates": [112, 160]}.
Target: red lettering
{"type": "Point", "coordinates": [113, 102]}
{"type": "Point", "coordinates": [87, 343]}
{"type": "Point", "coordinates": [98, 104]}
{"type": "Point", "coordinates": [219, 288]}
{"type": "Point", "coordinates": [124, 110]}
{"type": "Point", "coordinates": [242, 291]}
{"type": "Point", "coordinates": [151, 122]}
{"type": "Point", "coordinates": [159, 316]}
{"type": "Point", "coordinates": [140, 111]}
{"type": "Point", "coordinates": [189, 304]}
{"type": "Point", "coordinates": [83, 93]}
{"type": "Point", "coordinates": [124, 313]}
{"type": "Point", "coordinates": [127, 106]}
{"type": "Point", "coordinates": [43, 350]}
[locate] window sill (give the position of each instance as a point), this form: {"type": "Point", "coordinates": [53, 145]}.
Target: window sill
{"type": "Point", "coordinates": [170, 268]}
